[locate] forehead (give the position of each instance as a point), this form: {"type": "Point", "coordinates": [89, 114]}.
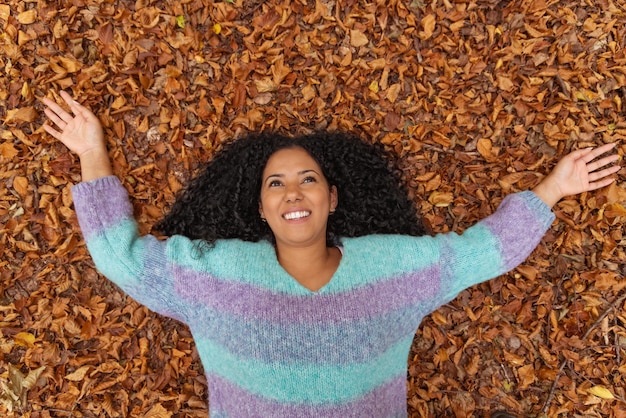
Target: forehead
{"type": "Point", "coordinates": [287, 159]}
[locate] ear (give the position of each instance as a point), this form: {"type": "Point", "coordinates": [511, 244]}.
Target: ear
{"type": "Point", "coordinates": [261, 213]}
{"type": "Point", "coordinates": [334, 198]}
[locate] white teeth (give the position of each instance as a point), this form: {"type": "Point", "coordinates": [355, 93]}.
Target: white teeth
{"type": "Point", "coordinates": [296, 215]}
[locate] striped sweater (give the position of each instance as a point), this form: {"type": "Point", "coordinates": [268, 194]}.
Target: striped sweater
{"type": "Point", "coordinates": [272, 348]}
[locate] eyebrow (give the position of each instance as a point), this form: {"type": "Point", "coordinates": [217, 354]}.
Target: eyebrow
{"type": "Point", "coordinates": [299, 173]}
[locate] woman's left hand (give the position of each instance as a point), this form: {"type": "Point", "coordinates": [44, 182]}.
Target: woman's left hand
{"type": "Point", "coordinates": [578, 172]}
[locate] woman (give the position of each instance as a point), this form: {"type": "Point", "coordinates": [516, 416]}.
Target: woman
{"type": "Point", "coordinates": [302, 299]}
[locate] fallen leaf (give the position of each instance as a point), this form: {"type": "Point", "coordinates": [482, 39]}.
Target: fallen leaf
{"type": "Point", "coordinates": [358, 38]}
{"type": "Point", "coordinates": [601, 392]}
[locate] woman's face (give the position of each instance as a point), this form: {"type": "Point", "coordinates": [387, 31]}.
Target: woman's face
{"type": "Point", "coordinates": [296, 198]}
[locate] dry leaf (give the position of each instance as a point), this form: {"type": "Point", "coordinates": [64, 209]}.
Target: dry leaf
{"type": "Point", "coordinates": [428, 24]}
{"type": "Point", "coordinates": [484, 148]}
{"type": "Point", "coordinates": [25, 114]}
{"type": "Point", "coordinates": [358, 38]}
{"type": "Point", "coordinates": [27, 17]}
{"type": "Point", "coordinates": [5, 11]}
{"type": "Point", "coordinates": [441, 199]}
{"type": "Point", "coordinates": [20, 184]}
{"type": "Point", "coordinates": [78, 374]}
{"type": "Point", "coordinates": [601, 392]}
{"type": "Point", "coordinates": [24, 339]}
{"type": "Point", "coordinates": [7, 150]}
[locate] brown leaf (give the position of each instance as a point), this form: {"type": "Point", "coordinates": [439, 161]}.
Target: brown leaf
{"type": "Point", "coordinates": [358, 38]}
{"type": "Point", "coordinates": [25, 114]}
{"type": "Point", "coordinates": [79, 374]}
{"type": "Point", "coordinates": [20, 184]}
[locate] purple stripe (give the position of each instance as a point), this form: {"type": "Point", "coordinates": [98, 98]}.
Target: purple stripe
{"type": "Point", "coordinates": [518, 228]}
{"type": "Point", "coordinates": [247, 300]}
{"type": "Point", "coordinates": [100, 203]}
{"type": "Point", "coordinates": [227, 399]}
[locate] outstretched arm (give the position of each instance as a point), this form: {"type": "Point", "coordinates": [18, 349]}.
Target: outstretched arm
{"type": "Point", "coordinates": [82, 134]}
{"type": "Point", "coordinates": [578, 172]}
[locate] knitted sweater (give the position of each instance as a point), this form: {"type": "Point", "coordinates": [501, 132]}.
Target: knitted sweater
{"type": "Point", "coordinates": [272, 348]}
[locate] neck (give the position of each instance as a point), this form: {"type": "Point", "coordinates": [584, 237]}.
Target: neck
{"type": "Point", "coordinates": [312, 266]}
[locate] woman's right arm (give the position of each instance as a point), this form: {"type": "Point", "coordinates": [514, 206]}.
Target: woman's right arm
{"type": "Point", "coordinates": [136, 264]}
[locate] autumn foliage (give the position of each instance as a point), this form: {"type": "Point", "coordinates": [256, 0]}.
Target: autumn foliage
{"type": "Point", "coordinates": [478, 98]}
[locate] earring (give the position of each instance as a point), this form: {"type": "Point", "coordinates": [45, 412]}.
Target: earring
{"type": "Point", "coordinates": [263, 220]}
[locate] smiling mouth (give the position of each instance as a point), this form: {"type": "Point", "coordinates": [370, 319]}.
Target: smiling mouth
{"type": "Point", "coordinates": [296, 215]}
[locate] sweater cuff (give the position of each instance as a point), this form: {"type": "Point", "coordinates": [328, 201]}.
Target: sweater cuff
{"type": "Point", "coordinates": [543, 211]}
{"type": "Point", "coordinates": [100, 203]}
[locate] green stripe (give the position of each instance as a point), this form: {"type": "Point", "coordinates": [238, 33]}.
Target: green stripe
{"type": "Point", "coordinates": [119, 254]}
{"type": "Point", "coordinates": [305, 382]}
{"type": "Point", "coordinates": [370, 259]}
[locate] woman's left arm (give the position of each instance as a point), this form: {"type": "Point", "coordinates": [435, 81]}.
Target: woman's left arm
{"type": "Point", "coordinates": [503, 240]}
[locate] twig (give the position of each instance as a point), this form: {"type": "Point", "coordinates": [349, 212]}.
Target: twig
{"type": "Point", "coordinates": [617, 302]}
{"type": "Point", "coordinates": [617, 347]}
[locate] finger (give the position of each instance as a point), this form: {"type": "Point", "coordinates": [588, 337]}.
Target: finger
{"type": "Point", "coordinates": [597, 151]}
{"type": "Point", "coordinates": [52, 131]}
{"type": "Point", "coordinates": [58, 110]}
{"type": "Point", "coordinates": [55, 119]}
{"type": "Point", "coordinates": [602, 162]}
{"type": "Point", "coordinates": [599, 184]}
{"type": "Point", "coordinates": [73, 104]}
{"type": "Point", "coordinates": [595, 176]}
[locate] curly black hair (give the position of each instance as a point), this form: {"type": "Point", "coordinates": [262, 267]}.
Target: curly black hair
{"type": "Point", "coordinates": [223, 200]}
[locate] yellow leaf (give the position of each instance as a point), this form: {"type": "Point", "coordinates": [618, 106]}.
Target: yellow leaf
{"type": "Point", "coordinates": [601, 392]}
{"type": "Point", "coordinates": [217, 28]}
{"type": "Point", "coordinates": [441, 199]}
{"type": "Point", "coordinates": [27, 17]}
{"type": "Point", "coordinates": [180, 21]}
{"type": "Point", "coordinates": [374, 86]}
{"type": "Point", "coordinates": [24, 339]}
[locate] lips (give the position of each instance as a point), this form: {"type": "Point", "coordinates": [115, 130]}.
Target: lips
{"type": "Point", "coordinates": [299, 214]}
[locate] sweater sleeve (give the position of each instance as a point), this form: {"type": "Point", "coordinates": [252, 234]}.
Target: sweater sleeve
{"type": "Point", "coordinates": [495, 245]}
{"type": "Point", "coordinates": [137, 264]}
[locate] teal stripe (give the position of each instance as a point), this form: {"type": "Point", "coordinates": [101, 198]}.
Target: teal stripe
{"type": "Point", "coordinates": [119, 254]}
{"type": "Point", "coordinates": [474, 256]}
{"type": "Point", "coordinates": [371, 258]}
{"type": "Point", "coordinates": [302, 382]}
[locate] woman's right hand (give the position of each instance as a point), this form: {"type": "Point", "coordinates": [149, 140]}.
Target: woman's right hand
{"type": "Point", "coordinates": [82, 133]}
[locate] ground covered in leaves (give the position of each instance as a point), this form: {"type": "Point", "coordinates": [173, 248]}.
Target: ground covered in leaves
{"type": "Point", "coordinates": [478, 98]}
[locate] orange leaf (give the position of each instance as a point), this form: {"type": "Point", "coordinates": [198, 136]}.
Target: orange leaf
{"type": "Point", "coordinates": [20, 184]}
{"type": "Point", "coordinates": [7, 150]}
{"type": "Point", "coordinates": [357, 38]}
{"type": "Point", "coordinates": [428, 23]}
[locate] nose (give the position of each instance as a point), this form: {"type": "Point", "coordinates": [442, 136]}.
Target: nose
{"type": "Point", "coordinates": [293, 193]}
